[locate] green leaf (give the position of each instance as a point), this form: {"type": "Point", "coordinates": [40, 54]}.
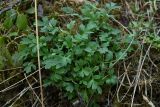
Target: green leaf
{"type": "Point", "coordinates": [112, 80]}
{"type": "Point", "coordinates": [68, 10]}
{"type": "Point", "coordinates": [29, 66]}
{"type": "Point", "coordinates": [85, 72]}
{"type": "Point", "coordinates": [103, 50]}
{"type": "Point", "coordinates": [47, 82]}
{"type": "Point", "coordinates": [115, 32]}
{"type": "Point", "coordinates": [89, 85]}
{"type": "Point", "coordinates": [111, 72]}
{"type": "Point", "coordinates": [21, 22]}
{"type": "Point", "coordinates": [2, 41]}
{"type": "Point", "coordinates": [49, 63]}
{"type": "Point", "coordinates": [13, 34]}
{"type": "Point", "coordinates": [91, 47]}
{"type": "Point", "coordinates": [82, 28]}
{"type": "Point", "coordinates": [11, 13]}
{"type": "Point", "coordinates": [120, 55]}
{"type": "Point", "coordinates": [91, 25]}
{"type": "Point", "coordinates": [52, 22]}
{"type": "Point", "coordinates": [78, 50]}
{"type": "Point", "coordinates": [30, 10]}
{"type": "Point", "coordinates": [84, 82]}
{"type": "Point", "coordinates": [104, 37]}
{"type": "Point", "coordinates": [69, 87]}
{"type": "Point", "coordinates": [58, 62]}
{"type": "Point", "coordinates": [8, 23]}
{"type": "Point", "coordinates": [10, 17]}
{"type": "Point", "coordinates": [85, 95]}
{"type": "Point", "coordinates": [71, 25]}
{"type": "Point", "coordinates": [56, 77]}
{"type": "Point", "coordinates": [92, 84]}
{"type": "Point", "coordinates": [97, 77]}
{"type": "Point", "coordinates": [68, 42]}
{"type": "Point", "coordinates": [109, 56]}
{"type": "Point", "coordinates": [99, 89]}
{"type": "Point", "coordinates": [112, 6]}
{"type": "Point", "coordinates": [63, 61]}
{"type": "Point", "coordinates": [89, 50]}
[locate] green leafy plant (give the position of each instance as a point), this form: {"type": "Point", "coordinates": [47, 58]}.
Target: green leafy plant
{"type": "Point", "coordinates": [80, 55]}
{"type": "Point", "coordinates": [13, 17]}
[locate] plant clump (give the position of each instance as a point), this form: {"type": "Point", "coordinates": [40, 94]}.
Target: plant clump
{"type": "Point", "coordinates": [80, 56]}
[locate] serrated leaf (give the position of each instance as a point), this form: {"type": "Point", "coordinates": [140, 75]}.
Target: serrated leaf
{"type": "Point", "coordinates": [85, 72]}
{"type": "Point", "coordinates": [49, 63]}
{"type": "Point", "coordinates": [29, 67]}
{"type": "Point", "coordinates": [91, 47]}
{"type": "Point", "coordinates": [63, 61]}
{"type": "Point", "coordinates": [92, 84]}
{"type": "Point", "coordinates": [69, 87]}
{"type": "Point", "coordinates": [58, 62]}
{"type": "Point", "coordinates": [21, 22]}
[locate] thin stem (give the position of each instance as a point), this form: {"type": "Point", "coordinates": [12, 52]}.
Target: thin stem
{"type": "Point", "coordinates": [38, 55]}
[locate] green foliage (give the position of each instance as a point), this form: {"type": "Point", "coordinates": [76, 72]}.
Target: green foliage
{"type": "Point", "coordinates": [8, 23]}
{"type": "Point", "coordinates": [6, 59]}
{"type": "Point", "coordinates": [9, 19]}
{"type": "Point", "coordinates": [78, 58]}
{"type": "Point", "coordinates": [2, 58]}
{"type": "Point", "coordinates": [154, 40]}
{"type": "Point", "coordinates": [21, 22]}
{"type": "Point", "coordinates": [13, 17]}
{"type": "Point", "coordinates": [30, 10]}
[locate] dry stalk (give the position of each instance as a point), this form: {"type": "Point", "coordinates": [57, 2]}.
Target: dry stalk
{"type": "Point", "coordinates": [32, 88]}
{"type": "Point", "coordinates": [38, 54]}
{"type": "Point", "coordinates": [19, 95]}
{"type": "Point", "coordinates": [141, 62]}
{"type": "Point", "coordinates": [14, 85]}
